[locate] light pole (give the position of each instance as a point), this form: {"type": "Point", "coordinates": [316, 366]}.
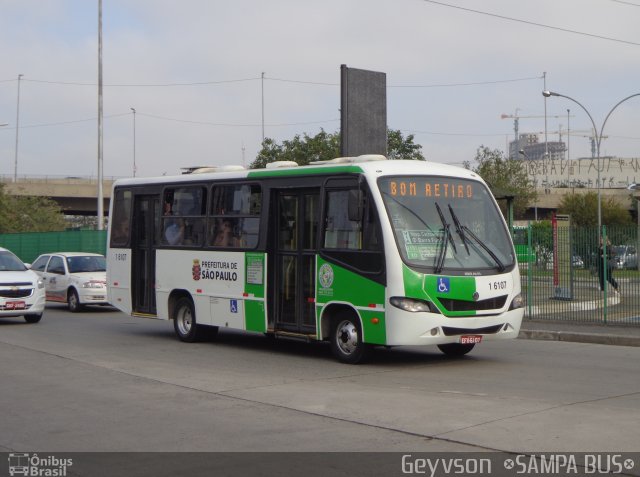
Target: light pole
{"type": "Point", "coordinates": [15, 163]}
{"type": "Point", "coordinates": [636, 187]}
{"type": "Point", "coordinates": [100, 120]}
{"type": "Point", "coordinates": [134, 141]}
{"type": "Point", "coordinates": [598, 135]}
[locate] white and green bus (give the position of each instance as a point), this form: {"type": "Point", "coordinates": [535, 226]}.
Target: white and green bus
{"type": "Point", "coordinates": [360, 252]}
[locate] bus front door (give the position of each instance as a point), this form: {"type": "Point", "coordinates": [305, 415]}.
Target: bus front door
{"type": "Point", "coordinates": [143, 272]}
{"type": "Point", "coordinates": [298, 213]}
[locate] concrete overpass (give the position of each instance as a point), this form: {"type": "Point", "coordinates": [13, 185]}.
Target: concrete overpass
{"type": "Point", "coordinates": [79, 196]}
{"type": "Point", "coordinates": [75, 195]}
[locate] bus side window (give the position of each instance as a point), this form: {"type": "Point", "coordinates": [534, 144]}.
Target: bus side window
{"type": "Point", "coordinates": [184, 216]}
{"type": "Point", "coordinates": [120, 225]}
{"type": "Point", "coordinates": [235, 216]}
{"type": "Point", "coordinates": [340, 231]}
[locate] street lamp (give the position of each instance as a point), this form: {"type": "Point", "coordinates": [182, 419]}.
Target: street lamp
{"type": "Point", "coordinates": [134, 141]}
{"type": "Point", "coordinates": [547, 94]}
{"type": "Point", "coordinates": [636, 187]}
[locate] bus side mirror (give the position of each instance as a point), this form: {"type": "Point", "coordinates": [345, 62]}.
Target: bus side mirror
{"type": "Point", "coordinates": [355, 205]}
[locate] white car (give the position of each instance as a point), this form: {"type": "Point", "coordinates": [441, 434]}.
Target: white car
{"type": "Point", "coordinates": [21, 290]}
{"type": "Point", "coordinates": [75, 278]}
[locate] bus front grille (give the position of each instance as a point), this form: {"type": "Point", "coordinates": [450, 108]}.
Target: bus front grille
{"type": "Point", "coordinates": [489, 330]}
{"type": "Point", "coordinates": [461, 305]}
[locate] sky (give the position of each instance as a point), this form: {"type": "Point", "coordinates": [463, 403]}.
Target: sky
{"type": "Point", "coordinates": [193, 69]}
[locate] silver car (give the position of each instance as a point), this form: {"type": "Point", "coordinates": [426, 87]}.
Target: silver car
{"type": "Point", "coordinates": [21, 290]}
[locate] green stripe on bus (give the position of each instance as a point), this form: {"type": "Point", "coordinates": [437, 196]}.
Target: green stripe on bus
{"type": "Point", "coordinates": [422, 286]}
{"type": "Point", "coordinates": [303, 171]}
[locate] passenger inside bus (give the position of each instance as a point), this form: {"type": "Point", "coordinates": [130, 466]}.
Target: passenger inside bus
{"type": "Point", "coordinates": [173, 227]}
{"type": "Point", "coordinates": [223, 234]}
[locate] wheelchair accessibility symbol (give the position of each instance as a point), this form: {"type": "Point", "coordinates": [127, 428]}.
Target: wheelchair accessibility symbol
{"type": "Point", "coordinates": [443, 285]}
{"type": "Point", "coordinates": [234, 306]}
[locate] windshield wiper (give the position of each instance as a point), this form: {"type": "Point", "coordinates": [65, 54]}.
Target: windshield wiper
{"type": "Point", "coordinates": [410, 211]}
{"type": "Point", "coordinates": [459, 229]}
{"type": "Point", "coordinates": [447, 238]}
{"type": "Point", "coordinates": [501, 266]}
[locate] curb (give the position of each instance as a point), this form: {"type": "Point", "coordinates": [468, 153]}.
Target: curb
{"type": "Point", "coordinates": [576, 337]}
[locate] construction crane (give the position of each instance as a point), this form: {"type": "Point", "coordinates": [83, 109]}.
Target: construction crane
{"type": "Point", "coordinates": [516, 119]}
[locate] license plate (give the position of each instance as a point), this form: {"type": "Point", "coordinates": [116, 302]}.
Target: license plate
{"type": "Point", "coordinates": [470, 339]}
{"type": "Point", "coordinates": [14, 305]}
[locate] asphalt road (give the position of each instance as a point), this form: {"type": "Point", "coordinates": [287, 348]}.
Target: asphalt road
{"type": "Point", "coordinates": [103, 381]}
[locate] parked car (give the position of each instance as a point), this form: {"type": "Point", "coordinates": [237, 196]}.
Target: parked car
{"type": "Point", "coordinates": [577, 261]}
{"type": "Point", "coordinates": [625, 256]}
{"type": "Point", "coordinates": [74, 278]}
{"type": "Point", "coordinates": [21, 290]}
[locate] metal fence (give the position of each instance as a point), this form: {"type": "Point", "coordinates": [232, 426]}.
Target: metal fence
{"type": "Point", "coordinates": [565, 278]}
{"type": "Point", "coordinates": [560, 269]}
{"type": "Point", "coordinates": [29, 245]}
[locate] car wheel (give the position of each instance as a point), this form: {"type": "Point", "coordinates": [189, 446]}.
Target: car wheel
{"type": "Point", "coordinates": [185, 325]}
{"type": "Point", "coordinates": [456, 349]}
{"type": "Point", "coordinates": [73, 301]}
{"type": "Point", "coordinates": [33, 318]}
{"type": "Point", "coordinates": [346, 341]}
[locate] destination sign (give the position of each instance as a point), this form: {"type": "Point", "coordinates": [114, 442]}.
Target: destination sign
{"type": "Point", "coordinates": [430, 188]}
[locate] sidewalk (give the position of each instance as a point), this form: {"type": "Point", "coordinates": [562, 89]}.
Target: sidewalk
{"type": "Point", "coordinates": [580, 332]}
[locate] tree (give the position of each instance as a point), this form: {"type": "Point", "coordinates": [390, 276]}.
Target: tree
{"type": "Point", "coordinates": [504, 175]}
{"type": "Point", "coordinates": [324, 146]}
{"type": "Point", "coordinates": [583, 208]}
{"type": "Point", "coordinates": [29, 214]}
{"type": "Point", "coordinates": [399, 147]}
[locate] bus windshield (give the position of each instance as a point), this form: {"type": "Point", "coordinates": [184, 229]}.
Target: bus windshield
{"type": "Point", "coordinates": [445, 223]}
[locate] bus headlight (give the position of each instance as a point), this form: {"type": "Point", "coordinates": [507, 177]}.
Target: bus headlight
{"type": "Point", "coordinates": [40, 283]}
{"type": "Point", "coordinates": [517, 302]}
{"type": "Point", "coordinates": [413, 305]}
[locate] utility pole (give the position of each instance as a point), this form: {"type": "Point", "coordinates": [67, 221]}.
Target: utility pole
{"type": "Point", "coordinates": [100, 191]}
{"type": "Point", "coordinates": [15, 162]}
{"type": "Point", "coordinates": [134, 141]}
{"type": "Point", "coordinates": [546, 139]}
{"type": "Point", "coordinates": [262, 83]}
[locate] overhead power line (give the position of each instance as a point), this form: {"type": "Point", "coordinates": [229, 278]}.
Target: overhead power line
{"type": "Point", "coordinates": [207, 123]}
{"type": "Point", "coordinates": [283, 80]}
{"type": "Point", "coordinates": [146, 85]}
{"type": "Point", "coordinates": [527, 22]}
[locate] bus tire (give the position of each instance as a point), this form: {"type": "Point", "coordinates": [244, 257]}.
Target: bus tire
{"type": "Point", "coordinates": [456, 349]}
{"type": "Point", "coordinates": [184, 321]}
{"type": "Point", "coordinates": [73, 301]}
{"type": "Point", "coordinates": [33, 318]}
{"type": "Point", "coordinates": [346, 341]}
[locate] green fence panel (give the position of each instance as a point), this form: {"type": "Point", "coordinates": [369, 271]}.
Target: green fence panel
{"type": "Point", "coordinates": [28, 246]}
{"type": "Point", "coordinates": [564, 278]}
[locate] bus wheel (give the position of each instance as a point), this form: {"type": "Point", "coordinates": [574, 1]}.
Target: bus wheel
{"type": "Point", "coordinates": [456, 349]}
{"type": "Point", "coordinates": [346, 341]}
{"type": "Point", "coordinates": [184, 321]}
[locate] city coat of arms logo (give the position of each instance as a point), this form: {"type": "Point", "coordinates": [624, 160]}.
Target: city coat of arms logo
{"type": "Point", "coordinates": [196, 269]}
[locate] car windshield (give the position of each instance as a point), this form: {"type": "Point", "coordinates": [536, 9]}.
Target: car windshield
{"type": "Point", "coordinates": [10, 263]}
{"type": "Point", "coordinates": [444, 223]}
{"type": "Point", "coordinates": [86, 263]}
